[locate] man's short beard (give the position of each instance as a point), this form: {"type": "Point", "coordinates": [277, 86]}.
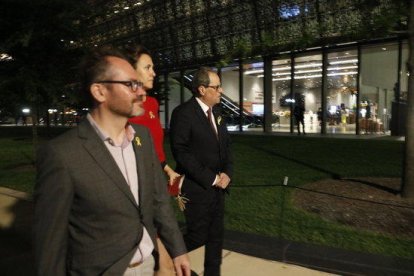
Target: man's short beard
{"type": "Point", "coordinates": [140, 111]}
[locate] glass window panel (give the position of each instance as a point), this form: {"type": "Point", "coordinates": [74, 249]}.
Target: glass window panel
{"type": "Point", "coordinates": [230, 99]}
{"type": "Point", "coordinates": [342, 72]}
{"type": "Point", "coordinates": [307, 91]}
{"type": "Point", "coordinates": [281, 95]}
{"type": "Point", "coordinates": [404, 72]}
{"type": "Point", "coordinates": [253, 101]}
{"type": "Point", "coordinates": [379, 72]}
{"type": "Point", "coordinates": [174, 95]}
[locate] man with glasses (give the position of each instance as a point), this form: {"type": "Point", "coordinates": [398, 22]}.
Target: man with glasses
{"type": "Point", "coordinates": [100, 195]}
{"type": "Point", "coordinates": [201, 148]}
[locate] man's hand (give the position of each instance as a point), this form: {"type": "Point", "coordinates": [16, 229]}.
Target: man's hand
{"type": "Point", "coordinates": [182, 265]}
{"type": "Point", "coordinates": [223, 181]}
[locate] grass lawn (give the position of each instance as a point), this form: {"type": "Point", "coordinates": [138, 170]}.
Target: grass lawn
{"type": "Point", "coordinates": [257, 202]}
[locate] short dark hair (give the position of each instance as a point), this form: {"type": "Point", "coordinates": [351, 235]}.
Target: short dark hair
{"type": "Point", "coordinates": [94, 67]}
{"type": "Point", "coordinates": [201, 77]}
{"type": "Point", "coordinates": [135, 52]}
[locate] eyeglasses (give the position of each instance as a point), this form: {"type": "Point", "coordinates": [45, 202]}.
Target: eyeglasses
{"type": "Point", "coordinates": [216, 87]}
{"type": "Point", "coordinates": [133, 85]}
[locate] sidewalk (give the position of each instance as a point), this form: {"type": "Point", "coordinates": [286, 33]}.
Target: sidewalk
{"type": "Point", "coordinates": [16, 256]}
{"type": "Point", "coordinates": [244, 254]}
{"type": "Point", "coordinates": [239, 264]}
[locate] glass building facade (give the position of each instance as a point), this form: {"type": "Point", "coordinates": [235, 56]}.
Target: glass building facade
{"type": "Point", "coordinates": [344, 60]}
{"type": "Point", "coordinates": [346, 90]}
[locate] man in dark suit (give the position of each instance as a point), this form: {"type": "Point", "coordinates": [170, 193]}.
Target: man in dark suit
{"type": "Point", "coordinates": [201, 147]}
{"type": "Point", "coordinates": [100, 196]}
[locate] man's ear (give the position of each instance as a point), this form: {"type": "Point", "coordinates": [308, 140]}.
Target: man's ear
{"type": "Point", "coordinates": [97, 92]}
{"type": "Point", "coordinates": [201, 90]}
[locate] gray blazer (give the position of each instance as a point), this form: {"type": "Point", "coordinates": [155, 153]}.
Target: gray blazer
{"type": "Point", "coordinates": [86, 219]}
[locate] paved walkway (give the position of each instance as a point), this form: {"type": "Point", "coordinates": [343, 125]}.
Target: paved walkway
{"type": "Point", "coordinates": [244, 254]}
{"type": "Point", "coordinates": [239, 264]}
{"type": "Point", "coordinates": [16, 257]}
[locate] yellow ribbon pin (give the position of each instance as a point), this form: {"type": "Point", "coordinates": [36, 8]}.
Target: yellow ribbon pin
{"type": "Point", "coordinates": [151, 114]}
{"type": "Point", "coordinates": [138, 141]}
{"type": "Point", "coordinates": [219, 120]}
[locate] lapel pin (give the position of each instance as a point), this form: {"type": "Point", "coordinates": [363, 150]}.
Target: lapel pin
{"type": "Point", "coordinates": [138, 141]}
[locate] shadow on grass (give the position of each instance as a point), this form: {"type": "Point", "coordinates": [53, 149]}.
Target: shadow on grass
{"type": "Point", "coordinates": [333, 175]}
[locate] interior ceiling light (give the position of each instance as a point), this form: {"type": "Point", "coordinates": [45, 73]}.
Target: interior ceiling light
{"type": "Point", "coordinates": [342, 73]}
{"type": "Point", "coordinates": [5, 57]}
{"type": "Point", "coordinates": [308, 71]}
{"type": "Point", "coordinates": [337, 68]}
{"type": "Point", "coordinates": [281, 74]}
{"type": "Point", "coordinates": [316, 76]}
{"type": "Point", "coordinates": [344, 61]}
{"type": "Point", "coordinates": [281, 68]}
{"type": "Point", "coordinates": [253, 71]}
{"type": "Point", "coordinates": [308, 65]}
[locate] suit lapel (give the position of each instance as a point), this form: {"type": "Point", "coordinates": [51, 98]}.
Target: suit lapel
{"type": "Point", "coordinates": [103, 158]}
{"type": "Point", "coordinates": [203, 118]}
{"type": "Point", "coordinates": [139, 156]}
{"type": "Point", "coordinates": [218, 121]}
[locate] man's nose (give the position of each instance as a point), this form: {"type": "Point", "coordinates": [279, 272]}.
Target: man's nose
{"type": "Point", "coordinates": [141, 91]}
{"type": "Point", "coordinates": [141, 94]}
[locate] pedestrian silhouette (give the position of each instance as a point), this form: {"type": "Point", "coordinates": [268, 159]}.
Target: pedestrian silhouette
{"type": "Point", "coordinates": [298, 112]}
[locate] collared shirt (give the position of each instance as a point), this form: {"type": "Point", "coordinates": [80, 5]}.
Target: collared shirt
{"type": "Point", "coordinates": [124, 157]}
{"type": "Point", "coordinates": [205, 108]}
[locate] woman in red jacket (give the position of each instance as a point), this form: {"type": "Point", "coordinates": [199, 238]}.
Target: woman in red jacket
{"type": "Point", "coordinates": [144, 67]}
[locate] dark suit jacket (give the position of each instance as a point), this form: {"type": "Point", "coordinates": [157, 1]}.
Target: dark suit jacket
{"type": "Point", "coordinates": [86, 219]}
{"type": "Point", "coordinates": [198, 153]}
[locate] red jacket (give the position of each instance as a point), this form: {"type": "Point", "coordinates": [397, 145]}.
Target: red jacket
{"type": "Point", "coordinates": [151, 120]}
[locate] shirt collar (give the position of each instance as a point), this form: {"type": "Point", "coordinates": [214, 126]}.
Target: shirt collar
{"type": "Point", "coordinates": [203, 105]}
{"type": "Point", "coordinates": [129, 131]}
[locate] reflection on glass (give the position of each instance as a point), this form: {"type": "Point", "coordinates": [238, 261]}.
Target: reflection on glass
{"type": "Point", "coordinates": [342, 91]}
{"type": "Point", "coordinates": [174, 93]}
{"type": "Point", "coordinates": [307, 91]}
{"type": "Point", "coordinates": [281, 100]}
{"type": "Point", "coordinates": [379, 67]}
{"type": "Point", "coordinates": [253, 100]}
{"type": "Point", "coordinates": [230, 97]}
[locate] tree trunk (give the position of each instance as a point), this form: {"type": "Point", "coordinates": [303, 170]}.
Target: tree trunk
{"type": "Point", "coordinates": [35, 136]}
{"type": "Point", "coordinates": [408, 173]}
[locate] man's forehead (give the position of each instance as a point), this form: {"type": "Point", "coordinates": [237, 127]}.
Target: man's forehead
{"type": "Point", "coordinates": [213, 76]}
{"type": "Point", "coordinates": [121, 66]}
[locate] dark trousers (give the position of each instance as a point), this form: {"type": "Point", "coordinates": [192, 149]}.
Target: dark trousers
{"type": "Point", "coordinates": [300, 121]}
{"type": "Point", "coordinates": [205, 226]}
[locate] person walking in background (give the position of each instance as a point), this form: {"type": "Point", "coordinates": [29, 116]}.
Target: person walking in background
{"type": "Point", "coordinates": [100, 196]}
{"type": "Point", "coordinates": [298, 112]}
{"type": "Point", "coordinates": [142, 62]}
{"type": "Point", "coordinates": [200, 145]}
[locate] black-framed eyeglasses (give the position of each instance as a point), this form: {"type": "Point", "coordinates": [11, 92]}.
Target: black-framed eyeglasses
{"type": "Point", "coordinates": [215, 87]}
{"type": "Point", "coordinates": [133, 85]}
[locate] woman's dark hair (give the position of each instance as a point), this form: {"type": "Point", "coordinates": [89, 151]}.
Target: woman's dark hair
{"type": "Point", "coordinates": [135, 52]}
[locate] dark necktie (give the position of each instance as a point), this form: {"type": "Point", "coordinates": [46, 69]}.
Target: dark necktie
{"type": "Point", "coordinates": [210, 119]}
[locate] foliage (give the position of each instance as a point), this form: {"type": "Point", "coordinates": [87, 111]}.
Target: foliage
{"type": "Point", "coordinates": [36, 35]}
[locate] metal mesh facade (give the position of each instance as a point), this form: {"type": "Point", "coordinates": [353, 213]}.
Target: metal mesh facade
{"type": "Point", "coordinates": [182, 33]}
